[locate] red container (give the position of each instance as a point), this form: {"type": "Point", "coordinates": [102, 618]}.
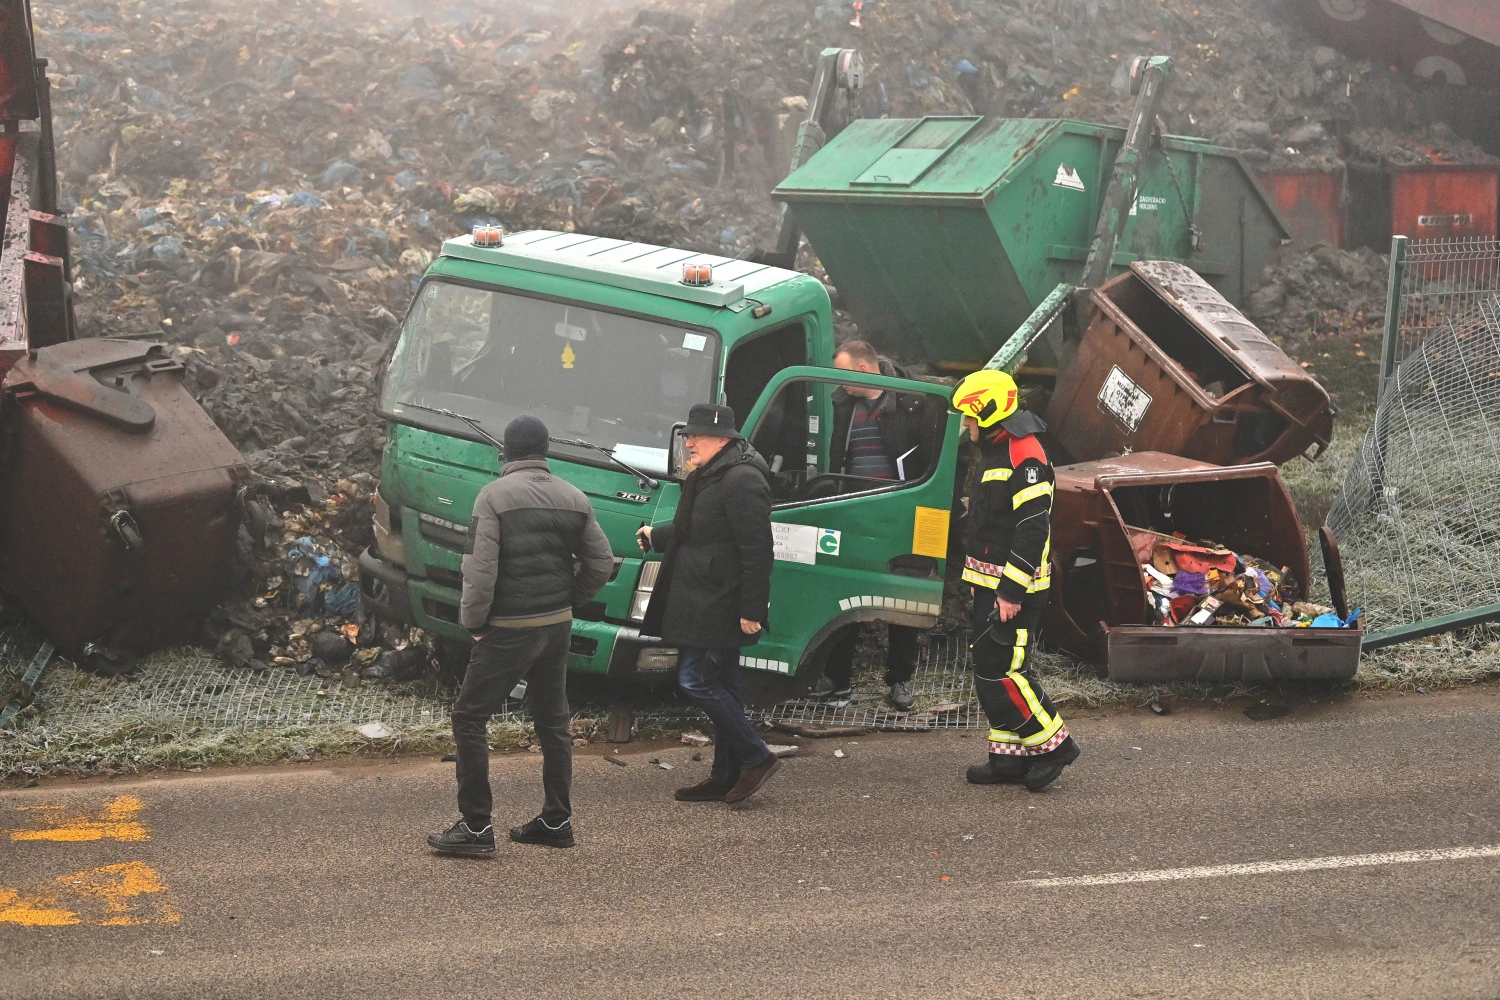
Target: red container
{"type": "Point", "coordinates": [1167, 364]}
{"type": "Point", "coordinates": [1444, 202]}
{"type": "Point", "coordinates": [118, 507]}
{"type": "Point", "coordinates": [1099, 609]}
{"type": "Point", "coordinates": [1311, 204]}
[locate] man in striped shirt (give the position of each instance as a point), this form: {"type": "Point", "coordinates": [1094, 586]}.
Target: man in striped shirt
{"type": "Point", "coordinates": [880, 437]}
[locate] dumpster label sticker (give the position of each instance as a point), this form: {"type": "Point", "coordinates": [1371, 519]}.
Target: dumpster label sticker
{"type": "Point", "coordinates": [828, 541]}
{"type": "Point", "coordinates": [1123, 399]}
{"type": "Point", "coordinates": [1146, 203]}
{"type": "Point", "coordinates": [1444, 221]}
{"type": "Point", "coordinates": [1067, 177]}
{"type": "Point", "coordinates": [796, 543]}
{"type": "Point", "coordinates": [929, 533]}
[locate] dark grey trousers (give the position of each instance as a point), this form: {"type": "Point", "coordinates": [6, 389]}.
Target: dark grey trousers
{"type": "Point", "coordinates": [498, 662]}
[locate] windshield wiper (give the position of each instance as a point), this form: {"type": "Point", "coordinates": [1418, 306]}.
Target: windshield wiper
{"type": "Point", "coordinates": [643, 480]}
{"type": "Point", "coordinates": [478, 427]}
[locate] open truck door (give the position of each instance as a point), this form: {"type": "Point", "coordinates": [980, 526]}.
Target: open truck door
{"type": "Point", "coordinates": [849, 549]}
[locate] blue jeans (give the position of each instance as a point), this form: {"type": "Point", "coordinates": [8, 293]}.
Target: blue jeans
{"type": "Point", "coordinates": [711, 678]}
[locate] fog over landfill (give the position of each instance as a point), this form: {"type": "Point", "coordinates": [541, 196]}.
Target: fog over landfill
{"type": "Point", "coordinates": [262, 184]}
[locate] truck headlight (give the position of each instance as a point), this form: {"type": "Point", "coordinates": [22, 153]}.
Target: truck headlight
{"type": "Point", "coordinates": [643, 589]}
{"type": "Point", "coordinates": [388, 542]}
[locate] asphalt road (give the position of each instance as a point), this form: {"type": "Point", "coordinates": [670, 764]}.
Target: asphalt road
{"type": "Point", "coordinates": [880, 874]}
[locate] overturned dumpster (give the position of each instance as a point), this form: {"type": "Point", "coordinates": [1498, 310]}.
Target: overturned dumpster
{"type": "Point", "coordinates": [1244, 615]}
{"type": "Point", "coordinates": [118, 497]}
{"type": "Point", "coordinates": [1167, 364]}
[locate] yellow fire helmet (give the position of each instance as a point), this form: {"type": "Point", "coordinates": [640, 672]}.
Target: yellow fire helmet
{"type": "Point", "coordinates": [987, 396]}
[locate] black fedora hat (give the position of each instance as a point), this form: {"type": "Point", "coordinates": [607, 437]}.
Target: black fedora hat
{"type": "Point", "coordinates": [713, 420]}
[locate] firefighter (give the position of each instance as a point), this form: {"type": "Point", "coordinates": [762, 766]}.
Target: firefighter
{"type": "Point", "coordinates": [1007, 553]}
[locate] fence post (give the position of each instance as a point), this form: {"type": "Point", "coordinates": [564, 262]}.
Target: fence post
{"type": "Point", "coordinates": [1396, 279]}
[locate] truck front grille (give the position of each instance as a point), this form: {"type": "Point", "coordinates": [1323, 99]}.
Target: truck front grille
{"type": "Point", "coordinates": [449, 535]}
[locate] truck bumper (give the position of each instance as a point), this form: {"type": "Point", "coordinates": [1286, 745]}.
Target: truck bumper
{"type": "Point", "coordinates": [388, 592]}
{"type": "Point", "coordinates": [383, 591]}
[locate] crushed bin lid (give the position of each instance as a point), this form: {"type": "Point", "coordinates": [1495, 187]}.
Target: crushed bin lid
{"type": "Point", "coordinates": [1225, 326]}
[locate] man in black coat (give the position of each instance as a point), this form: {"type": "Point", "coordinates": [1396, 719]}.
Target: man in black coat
{"type": "Point", "coordinates": [713, 592]}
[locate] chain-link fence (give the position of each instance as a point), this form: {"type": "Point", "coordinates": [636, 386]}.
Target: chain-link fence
{"type": "Point", "coordinates": [1418, 520]}
{"type": "Point", "coordinates": [190, 690]}
{"type": "Point", "coordinates": [1434, 282]}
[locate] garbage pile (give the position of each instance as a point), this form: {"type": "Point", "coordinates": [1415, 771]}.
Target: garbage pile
{"type": "Point", "coordinates": [1205, 584]}
{"type": "Point", "coordinates": [297, 595]}
{"type": "Point", "coordinates": [1322, 290]}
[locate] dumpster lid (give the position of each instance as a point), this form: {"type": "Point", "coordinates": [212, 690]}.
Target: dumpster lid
{"type": "Point", "coordinates": [940, 159]}
{"type": "Point", "coordinates": [65, 374]}
{"type": "Point", "coordinates": [639, 267]}
{"type": "Point", "coordinates": [1089, 475]}
{"type": "Point", "coordinates": [1225, 326]}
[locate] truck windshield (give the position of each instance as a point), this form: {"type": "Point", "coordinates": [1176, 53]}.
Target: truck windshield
{"type": "Point", "coordinates": [617, 381]}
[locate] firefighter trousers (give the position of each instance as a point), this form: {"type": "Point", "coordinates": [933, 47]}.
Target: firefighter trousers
{"type": "Point", "coordinates": [1023, 720]}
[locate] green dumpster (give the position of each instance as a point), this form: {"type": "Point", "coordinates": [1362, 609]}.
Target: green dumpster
{"type": "Point", "coordinates": [943, 234]}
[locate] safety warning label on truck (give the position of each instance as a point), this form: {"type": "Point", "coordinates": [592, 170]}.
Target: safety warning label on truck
{"type": "Point", "coordinates": [1123, 399]}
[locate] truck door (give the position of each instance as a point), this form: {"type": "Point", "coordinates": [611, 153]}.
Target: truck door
{"type": "Point", "coordinates": [851, 548]}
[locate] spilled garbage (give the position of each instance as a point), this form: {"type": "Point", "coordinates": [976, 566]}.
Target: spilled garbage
{"type": "Point", "coordinates": [1205, 584]}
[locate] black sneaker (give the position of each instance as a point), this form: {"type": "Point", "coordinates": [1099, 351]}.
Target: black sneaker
{"type": "Point", "coordinates": [901, 696]}
{"type": "Point", "coordinates": [833, 697]}
{"type": "Point", "coordinates": [538, 832]}
{"type": "Point", "coordinates": [1000, 769]}
{"type": "Point", "coordinates": [460, 839]}
{"type": "Point", "coordinates": [1043, 771]}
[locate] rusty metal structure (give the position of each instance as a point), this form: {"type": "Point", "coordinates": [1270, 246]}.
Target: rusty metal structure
{"type": "Point", "coordinates": [1456, 42]}
{"type": "Point", "coordinates": [36, 307]}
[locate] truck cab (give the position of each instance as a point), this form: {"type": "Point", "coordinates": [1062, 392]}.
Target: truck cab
{"type": "Point", "coordinates": [610, 343]}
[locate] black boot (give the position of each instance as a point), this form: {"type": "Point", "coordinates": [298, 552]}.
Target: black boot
{"type": "Point", "coordinates": [1000, 769]}
{"type": "Point", "coordinates": [1043, 770]}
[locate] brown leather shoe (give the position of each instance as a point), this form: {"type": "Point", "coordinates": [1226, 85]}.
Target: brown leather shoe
{"type": "Point", "coordinates": [751, 780]}
{"type": "Point", "coordinates": [703, 791]}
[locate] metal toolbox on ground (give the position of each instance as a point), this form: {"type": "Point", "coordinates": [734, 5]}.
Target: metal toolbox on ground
{"type": "Point", "coordinates": [119, 501]}
{"type": "Point", "coordinates": [1167, 364]}
{"type": "Point", "coordinates": [1099, 608]}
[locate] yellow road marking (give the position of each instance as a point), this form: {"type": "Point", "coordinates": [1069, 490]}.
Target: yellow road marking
{"type": "Point", "coordinates": [33, 911]}
{"type": "Point", "coordinates": [116, 821]}
{"type": "Point", "coordinates": [123, 895]}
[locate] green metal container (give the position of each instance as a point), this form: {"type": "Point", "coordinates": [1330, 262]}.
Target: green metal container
{"type": "Point", "coordinates": [944, 233]}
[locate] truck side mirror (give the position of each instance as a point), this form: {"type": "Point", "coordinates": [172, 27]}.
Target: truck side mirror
{"type": "Point", "coordinates": [677, 454]}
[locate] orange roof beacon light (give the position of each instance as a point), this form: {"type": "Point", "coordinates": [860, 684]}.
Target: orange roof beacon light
{"type": "Point", "coordinates": [488, 236]}
{"type": "Point", "coordinates": [697, 274]}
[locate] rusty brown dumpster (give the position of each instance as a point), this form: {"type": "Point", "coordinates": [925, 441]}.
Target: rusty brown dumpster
{"type": "Point", "coordinates": [119, 497]}
{"type": "Point", "coordinates": [1100, 611]}
{"type": "Point", "coordinates": [1167, 364]}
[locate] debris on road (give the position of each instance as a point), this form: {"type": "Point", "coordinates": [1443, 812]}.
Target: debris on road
{"type": "Point", "coordinates": [694, 738]}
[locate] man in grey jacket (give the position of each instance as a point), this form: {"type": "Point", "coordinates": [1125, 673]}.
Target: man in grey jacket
{"type": "Point", "coordinates": [535, 552]}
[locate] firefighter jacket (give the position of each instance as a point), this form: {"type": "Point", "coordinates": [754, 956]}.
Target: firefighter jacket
{"type": "Point", "coordinates": [1009, 544]}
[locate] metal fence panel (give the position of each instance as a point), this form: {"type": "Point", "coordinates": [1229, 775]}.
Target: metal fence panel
{"type": "Point", "coordinates": [1418, 519]}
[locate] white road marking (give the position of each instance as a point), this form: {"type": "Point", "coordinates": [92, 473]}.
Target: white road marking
{"type": "Point", "coordinates": [1273, 867]}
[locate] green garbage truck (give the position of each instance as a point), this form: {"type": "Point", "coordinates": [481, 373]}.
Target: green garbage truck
{"type": "Point", "coordinates": [607, 343]}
